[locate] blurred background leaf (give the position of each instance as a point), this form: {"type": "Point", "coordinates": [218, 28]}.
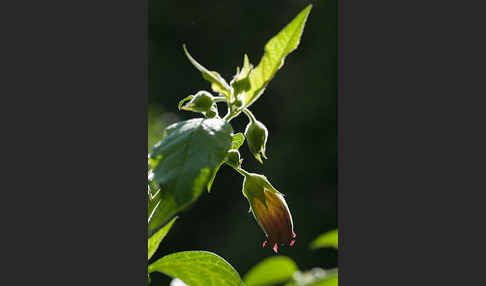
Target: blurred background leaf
{"type": "Point", "coordinates": [328, 239]}
{"type": "Point", "coordinates": [197, 268]}
{"type": "Point", "coordinates": [315, 277]}
{"type": "Point", "coordinates": [271, 271]}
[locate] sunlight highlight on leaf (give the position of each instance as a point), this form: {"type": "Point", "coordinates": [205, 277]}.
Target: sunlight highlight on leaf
{"type": "Point", "coordinates": [276, 50]}
{"type": "Point", "coordinates": [198, 268]}
{"type": "Point", "coordinates": [271, 271]}
{"type": "Point", "coordinates": [218, 84]}
{"type": "Point", "coordinates": [155, 240]}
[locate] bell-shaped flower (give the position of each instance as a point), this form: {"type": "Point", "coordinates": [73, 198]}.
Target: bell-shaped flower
{"type": "Point", "coordinates": [270, 211]}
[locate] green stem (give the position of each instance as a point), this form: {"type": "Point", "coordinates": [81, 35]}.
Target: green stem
{"type": "Point", "coordinates": [228, 117]}
{"type": "Point", "coordinates": [240, 170]}
{"type": "Point", "coordinates": [249, 115]}
{"type": "Point", "coordinates": [220, 99]}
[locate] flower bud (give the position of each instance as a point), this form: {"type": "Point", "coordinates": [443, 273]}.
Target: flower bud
{"type": "Point", "coordinates": [200, 102]}
{"type": "Point", "coordinates": [270, 211]}
{"type": "Point", "coordinates": [256, 134]}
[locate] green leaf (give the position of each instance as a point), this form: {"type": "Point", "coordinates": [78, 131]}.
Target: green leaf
{"type": "Point", "coordinates": [183, 163]}
{"type": "Point", "coordinates": [155, 240]}
{"type": "Point", "coordinates": [213, 176]}
{"type": "Point", "coordinates": [276, 50]}
{"type": "Point", "coordinates": [187, 98]}
{"type": "Point", "coordinates": [238, 140]}
{"type": "Point", "coordinates": [197, 268]}
{"type": "Point", "coordinates": [218, 84]}
{"type": "Point", "coordinates": [270, 271]}
{"type": "Point", "coordinates": [328, 239]}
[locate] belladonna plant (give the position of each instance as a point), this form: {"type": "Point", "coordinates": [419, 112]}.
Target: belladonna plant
{"type": "Point", "coordinates": [191, 152]}
{"type": "Point", "coordinates": [185, 162]}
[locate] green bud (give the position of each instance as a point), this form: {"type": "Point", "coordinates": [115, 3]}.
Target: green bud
{"type": "Point", "coordinates": [256, 134]}
{"type": "Point", "coordinates": [233, 158]}
{"type": "Point", "coordinates": [200, 102]}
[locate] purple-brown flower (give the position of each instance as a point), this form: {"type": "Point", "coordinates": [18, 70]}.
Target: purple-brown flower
{"type": "Point", "coordinates": [270, 211]}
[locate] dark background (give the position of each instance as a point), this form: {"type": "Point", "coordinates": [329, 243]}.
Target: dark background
{"type": "Point", "coordinates": [298, 107]}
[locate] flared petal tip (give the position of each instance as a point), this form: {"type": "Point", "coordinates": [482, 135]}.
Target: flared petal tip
{"type": "Point", "coordinates": [264, 244]}
{"type": "Point", "coordinates": [292, 242]}
{"type": "Point", "coordinates": [275, 248]}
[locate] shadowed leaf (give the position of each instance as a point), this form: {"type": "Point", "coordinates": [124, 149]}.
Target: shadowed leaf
{"type": "Point", "coordinates": [183, 163]}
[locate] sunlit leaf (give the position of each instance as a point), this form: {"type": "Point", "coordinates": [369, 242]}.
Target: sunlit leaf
{"type": "Point", "coordinates": [197, 268]}
{"type": "Point", "coordinates": [276, 50]}
{"type": "Point", "coordinates": [155, 240]}
{"type": "Point", "coordinates": [271, 271]}
{"type": "Point", "coordinates": [218, 84]}
{"type": "Point", "coordinates": [328, 239]}
{"type": "Point", "coordinates": [241, 81]}
{"type": "Point", "coordinates": [238, 140]}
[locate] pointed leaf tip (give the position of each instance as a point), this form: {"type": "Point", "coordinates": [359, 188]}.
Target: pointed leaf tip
{"type": "Point", "coordinates": [218, 84]}
{"type": "Point", "coordinates": [282, 44]}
